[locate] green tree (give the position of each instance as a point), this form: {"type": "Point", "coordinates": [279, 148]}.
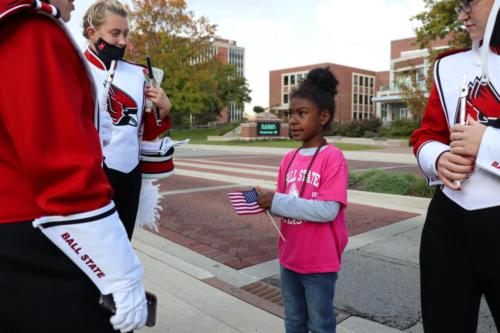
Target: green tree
{"type": "Point", "coordinates": [219, 86]}
{"type": "Point", "coordinates": [196, 83]}
{"type": "Point", "coordinates": [438, 21]}
{"type": "Point", "coordinates": [258, 109]}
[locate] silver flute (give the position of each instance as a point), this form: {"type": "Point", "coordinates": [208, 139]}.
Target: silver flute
{"type": "Point", "coordinates": [107, 86]}
{"type": "Point", "coordinates": [463, 104]}
{"type": "Point", "coordinates": [155, 84]}
{"type": "Point", "coordinates": [105, 97]}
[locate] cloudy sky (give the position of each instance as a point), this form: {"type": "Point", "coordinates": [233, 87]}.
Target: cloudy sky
{"type": "Point", "coordinates": [285, 33]}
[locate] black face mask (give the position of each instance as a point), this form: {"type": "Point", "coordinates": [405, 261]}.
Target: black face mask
{"type": "Point", "coordinates": [107, 52]}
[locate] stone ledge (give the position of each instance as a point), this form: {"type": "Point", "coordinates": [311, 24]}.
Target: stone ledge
{"type": "Point", "coordinates": [229, 139]}
{"type": "Point", "coordinates": [370, 141]}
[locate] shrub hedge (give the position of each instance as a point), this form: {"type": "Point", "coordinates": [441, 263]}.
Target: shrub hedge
{"type": "Point", "coordinates": [393, 183]}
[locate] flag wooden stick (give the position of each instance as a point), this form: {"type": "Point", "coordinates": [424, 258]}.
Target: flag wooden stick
{"type": "Point", "coordinates": [275, 225]}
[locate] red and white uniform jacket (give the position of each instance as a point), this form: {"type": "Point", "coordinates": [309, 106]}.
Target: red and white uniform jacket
{"type": "Point", "coordinates": [126, 105]}
{"type": "Point", "coordinates": [442, 112]}
{"type": "Point", "coordinates": [50, 156]}
{"type": "Point", "coordinates": [50, 153]}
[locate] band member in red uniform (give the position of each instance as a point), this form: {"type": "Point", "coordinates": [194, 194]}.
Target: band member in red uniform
{"type": "Point", "coordinates": [61, 240]}
{"type": "Point", "coordinates": [457, 149]}
{"type": "Point", "coordinates": [105, 25]}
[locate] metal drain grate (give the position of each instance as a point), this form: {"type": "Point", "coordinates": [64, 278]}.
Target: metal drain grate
{"type": "Point", "coordinates": [270, 302]}
{"type": "Point", "coordinates": [273, 294]}
{"type": "Point", "coordinates": [266, 291]}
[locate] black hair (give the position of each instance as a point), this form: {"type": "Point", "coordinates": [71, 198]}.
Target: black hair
{"type": "Point", "coordinates": [495, 37]}
{"type": "Point", "coordinates": [320, 87]}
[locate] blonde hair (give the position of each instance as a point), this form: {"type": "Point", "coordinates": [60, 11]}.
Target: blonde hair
{"type": "Point", "coordinates": [96, 14]}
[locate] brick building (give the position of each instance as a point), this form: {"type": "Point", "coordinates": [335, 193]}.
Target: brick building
{"type": "Point", "coordinates": [228, 52]}
{"type": "Point", "coordinates": [356, 89]}
{"type": "Point", "coordinates": [406, 57]}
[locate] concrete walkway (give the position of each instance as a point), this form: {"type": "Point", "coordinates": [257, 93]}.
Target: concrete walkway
{"type": "Point", "coordinates": [378, 286]}
{"type": "Point", "coordinates": [187, 304]}
{"type": "Point", "coordinates": [379, 280]}
{"type": "Point", "coordinates": [371, 155]}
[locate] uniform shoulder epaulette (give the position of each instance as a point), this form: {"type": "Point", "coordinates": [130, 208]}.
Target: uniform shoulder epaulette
{"type": "Point", "coordinates": [8, 8]}
{"type": "Point", "coordinates": [451, 52]}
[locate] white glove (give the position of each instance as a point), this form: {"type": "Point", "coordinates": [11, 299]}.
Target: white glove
{"type": "Point", "coordinates": [97, 243]}
{"type": "Point", "coordinates": [131, 309]}
{"type": "Point", "coordinates": [105, 127]}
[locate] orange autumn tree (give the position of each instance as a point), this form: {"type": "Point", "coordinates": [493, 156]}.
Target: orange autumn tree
{"type": "Point", "coordinates": [179, 43]}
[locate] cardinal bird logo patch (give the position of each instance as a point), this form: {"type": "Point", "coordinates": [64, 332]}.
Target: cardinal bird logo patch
{"type": "Point", "coordinates": [483, 103]}
{"type": "Point", "coordinates": [122, 107]}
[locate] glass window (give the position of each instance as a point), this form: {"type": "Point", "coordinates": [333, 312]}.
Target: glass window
{"type": "Point", "coordinates": [371, 82]}
{"type": "Point", "coordinates": [366, 82]}
{"type": "Point", "coordinates": [355, 79]}
{"type": "Point", "coordinates": [361, 81]}
{"type": "Point", "coordinates": [285, 98]}
{"type": "Point", "coordinates": [354, 115]}
{"type": "Point", "coordinates": [355, 98]}
{"type": "Point", "coordinates": [292, 79]}
{"type": "Point", "coordinates": [366, 99]}
{"type": "Point", "coordinates": [360, 99]}
{"type": "Point", "coordinates": [285, 80]}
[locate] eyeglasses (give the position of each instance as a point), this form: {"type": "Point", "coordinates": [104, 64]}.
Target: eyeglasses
{"type": "Point", "coordinates": [464, 6]}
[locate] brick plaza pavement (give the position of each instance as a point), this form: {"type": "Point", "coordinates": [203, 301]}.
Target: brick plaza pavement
{"type": "Point", "coordinates": [198, 215]}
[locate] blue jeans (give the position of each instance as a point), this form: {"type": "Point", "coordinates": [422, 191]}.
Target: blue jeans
{"type": "Point", "coordinates": [308, 301]}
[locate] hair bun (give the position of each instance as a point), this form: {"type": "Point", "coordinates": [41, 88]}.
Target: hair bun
{"type": "Point", "coordinates": [323, 79]}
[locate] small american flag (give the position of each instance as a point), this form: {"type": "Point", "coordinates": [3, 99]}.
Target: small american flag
{"type": "Point", "coordinates": [245, 202]}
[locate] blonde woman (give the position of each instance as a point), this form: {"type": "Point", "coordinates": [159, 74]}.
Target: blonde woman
{"type": "Point", "coordinates": [105, 25]}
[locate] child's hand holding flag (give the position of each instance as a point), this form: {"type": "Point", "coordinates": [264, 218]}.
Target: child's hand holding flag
{"type": "Point", "coordinates": [249, 202]}
{"type": "Point", "coordinates": [265, 199]}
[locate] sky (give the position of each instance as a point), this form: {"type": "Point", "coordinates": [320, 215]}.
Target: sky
{"type": "Point", "coordinates": [287, 33]}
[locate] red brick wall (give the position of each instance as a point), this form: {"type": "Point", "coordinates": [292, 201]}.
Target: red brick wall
{"type": "Point", "coordinates": [223, 116]}
{"type": "Point", "coordinates": [344, 90]}
{"type": "Point", "coordinates": [275, 85]}
{"type": "Point", "coordinates": [222, 54]}
{"type": "Point", "coordinates": [408, 63]}
{"type": "Point", "coordinates": [410, 44]}
{"type": "Point", "coordinates": [401, 45]}
{"type": "Point", "coordinates": [249, 130]}
{"type": "Point", "coordinates": [381, 79]}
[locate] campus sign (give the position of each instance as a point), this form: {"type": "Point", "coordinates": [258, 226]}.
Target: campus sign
{"type": "Point", "coordinates": [268, 129]}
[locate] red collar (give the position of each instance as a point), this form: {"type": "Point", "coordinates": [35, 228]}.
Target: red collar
{"type": "Point", "coordinates": [93, 59]}
{"type": "Point", "coordinates": [8, 8]}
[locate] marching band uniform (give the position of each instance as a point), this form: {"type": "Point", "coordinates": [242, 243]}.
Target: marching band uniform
{"type": "Point", "coordinates": [459, 252]}
{"type": "Point", "coordinates": [131, 124]}
{"type": "Point", "coordinates": [57, 220]}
